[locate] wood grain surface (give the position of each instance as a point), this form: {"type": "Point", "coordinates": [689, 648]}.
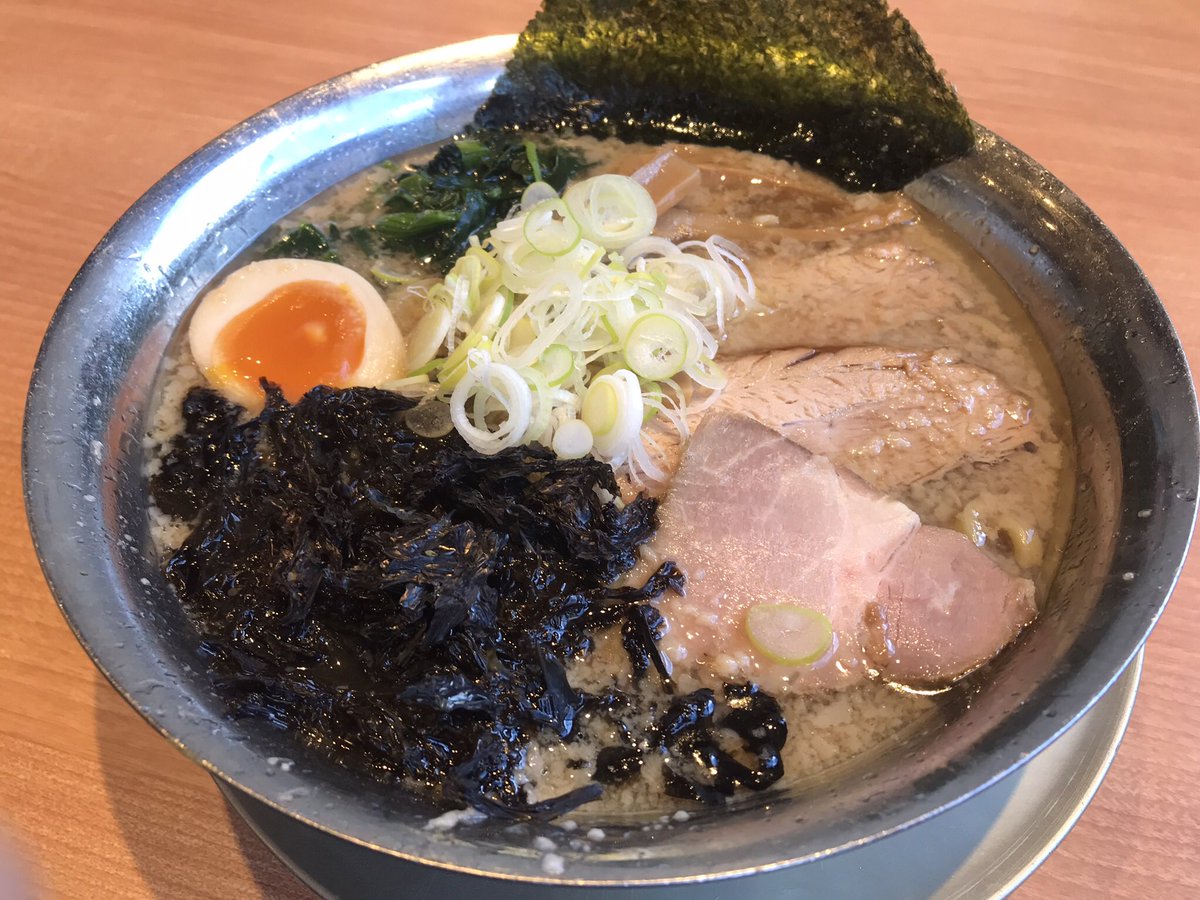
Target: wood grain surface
{"type": "Point", "coordinates": [99, 98]}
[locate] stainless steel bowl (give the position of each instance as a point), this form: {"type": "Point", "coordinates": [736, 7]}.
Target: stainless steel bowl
{"type": "Point", "coordinates": [1121, 362]}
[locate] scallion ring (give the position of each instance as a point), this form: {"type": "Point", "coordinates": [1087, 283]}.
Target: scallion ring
{"type": "Point", "coordinates": [657, 345]}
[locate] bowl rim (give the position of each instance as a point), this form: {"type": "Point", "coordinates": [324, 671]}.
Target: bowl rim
{"type": "Point", "coordinates": [74, 604]}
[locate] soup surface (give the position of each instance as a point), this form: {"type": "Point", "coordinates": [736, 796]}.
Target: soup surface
{"type": "Point", "coordinates": [833, 270]}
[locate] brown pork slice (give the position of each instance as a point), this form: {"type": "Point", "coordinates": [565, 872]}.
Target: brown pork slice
{"type": "Point", "coordinates": [752, 518]}
{"type": "Point", "coordinates": [869, 289]}
{"type": "Point", "coordinates": [893, 417]}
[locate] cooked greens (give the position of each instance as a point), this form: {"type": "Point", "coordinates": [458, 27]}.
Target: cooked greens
{"type": "Point", "coordinates": [842, 86]}
{"type": "Point", "coordinates": [303, 242]}
{"type": "Point", "coordinates": [468, 186]}
{"type": "Point", "coordinates": [433, 209]}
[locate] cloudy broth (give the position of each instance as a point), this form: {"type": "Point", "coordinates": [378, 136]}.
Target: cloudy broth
{"type": "Point", "coordinates": [833, 269]}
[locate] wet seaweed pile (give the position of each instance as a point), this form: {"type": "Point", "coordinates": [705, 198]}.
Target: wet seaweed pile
{"type": "Point", "coordinates": [408, 605]}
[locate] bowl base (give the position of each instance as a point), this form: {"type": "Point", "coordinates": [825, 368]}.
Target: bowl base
{"type": "Point", "coordinates": [983, 847]}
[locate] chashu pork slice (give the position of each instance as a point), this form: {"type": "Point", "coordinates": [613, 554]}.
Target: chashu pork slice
{"type": "Point", "coordinates": [752, 518]}
{"type": "Point", "coordinates": [942, 608]}
{"type": "Point", "coordinates": [894, 417]}
{"type": "Point", "coordinates": [873, 288]}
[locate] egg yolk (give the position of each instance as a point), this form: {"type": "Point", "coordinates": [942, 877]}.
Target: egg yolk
{"type": "Point", "coordinates": [300, 335]}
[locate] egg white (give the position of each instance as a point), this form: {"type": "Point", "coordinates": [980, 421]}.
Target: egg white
{"type": "Point", "coordinates": [383, 345]}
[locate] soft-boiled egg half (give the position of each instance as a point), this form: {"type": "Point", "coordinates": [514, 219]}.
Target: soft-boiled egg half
{"type": "Point", "coordinates": [297, 323]}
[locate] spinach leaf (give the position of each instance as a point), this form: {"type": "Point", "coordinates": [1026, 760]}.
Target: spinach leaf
{"type": "Point", "coordinates": [468, 186]}
{"type": "Point", "coordinates": [305, 242]}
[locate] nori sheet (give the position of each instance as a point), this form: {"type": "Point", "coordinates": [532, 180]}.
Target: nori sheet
{"type": "Point", "coordinates": [843, 87]}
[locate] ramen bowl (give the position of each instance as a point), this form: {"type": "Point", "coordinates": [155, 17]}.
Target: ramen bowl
{"type": "Point", "coordinates": [1124, 372]}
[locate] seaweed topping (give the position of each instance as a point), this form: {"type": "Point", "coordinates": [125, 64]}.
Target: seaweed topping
{"type": "Point", "coordinates": [615, 765]}
{"type": "Point", "coordinates": [205, 457]}
{"type": "Point", "coordinates": [701, 765]}
{"type": "Point", "coordinates": [405, 603]}
{"type": "Point", "coordinates": [699, 762]}
{"type": "Point", "coordinates": [844, 87]}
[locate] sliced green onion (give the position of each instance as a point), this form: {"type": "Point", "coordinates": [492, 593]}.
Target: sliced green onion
{"type": "Point", "coordinates": [536, 193]}
{"type": "Point", "coordinates": [475, 275]}
{"type": "Point", "coordinates": [427, 337]}
{"type": "Point", "coordinates": [608, 326]}
{"type": "Point", "coordinates": [572, 439]}
{"type": "Point", "coordinates": [522, 334]}
{"type": "Point", "coordinates": [485, 381]}
{"type": "Point", "coordinates": [595, 255]}
{"type": "Point", "coordinates": [609, 369]}
{"type": "Point", "coordinates": [385, 277]}
{"type": "Point", "coordinates": [613, 210]}
{"type": "Point", "coordinates": [601, 405]}
{"type": "Point", "coordinates": [492, 314]}
{"type": "Point", "coordinates": [656, 345]}
{"type": "Point", "coordinates": [525, 269]}
{"type": "Point", "coordinates": [789, 633]}
{"type": "Point", "coordinates": [414, 387]}
{"type": "Point", "coordinates": [612, 409]}
{"type": "Point", "coordinates": [652, 398]}
{"type": "Point", "coordinates": [550, 229]}
{"type": "Point", "coordinates": [557, 364]}
{"type": "Point", "coordinates": [598, 318]}
{"type": "Point", "coordinates": [551, 310]}
{"type": "Point", "coordinates": [543, 406]}
{"type": "Point", "coordinates": [455, 366]}
{"type": "Point", "coordinates": [430, 367]}
{"type": "Point", "coordinates": [431, 420]}
{"type": "Point", "coordinates": [707, 374]}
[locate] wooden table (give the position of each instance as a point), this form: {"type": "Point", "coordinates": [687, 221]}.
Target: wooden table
{"type": "Point", "coordinates": [99, 98]}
